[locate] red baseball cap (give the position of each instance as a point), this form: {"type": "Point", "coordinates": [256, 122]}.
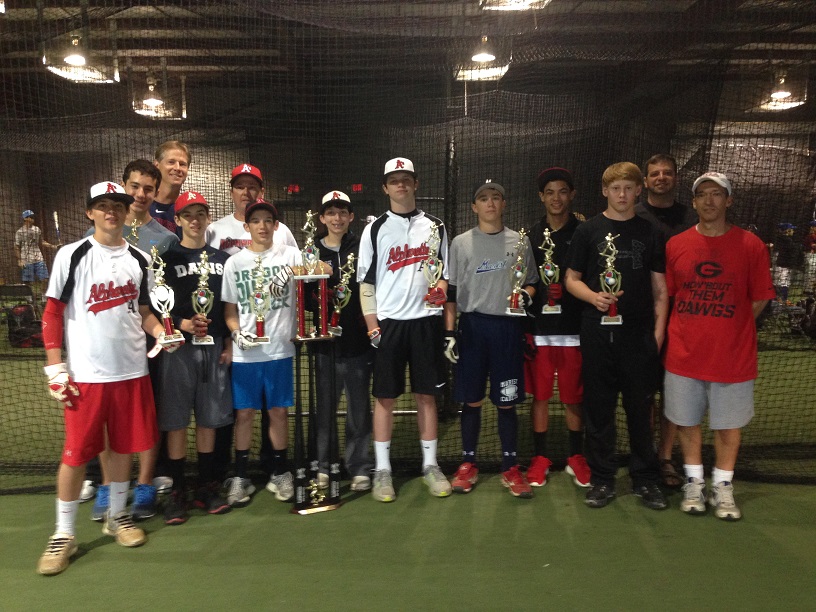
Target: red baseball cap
{"type": "Point", "coordinates": [242, 169]}
{"type": "Point", "coordinates": [261, 204]}
{"type": "Point", "coordinates": [188, 198]}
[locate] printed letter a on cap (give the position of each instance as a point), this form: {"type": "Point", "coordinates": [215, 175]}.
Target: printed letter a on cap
{"type": "Point", "coordinates": [335, 196]}
{"type": "Point", "coordinates": [246, 168]}
{"type": "Point", "coordinates": [400, 164]}
{"type": "Point", "coordinates": [191, 195]}
{"type": "Point", "coordinates": [111, 188]}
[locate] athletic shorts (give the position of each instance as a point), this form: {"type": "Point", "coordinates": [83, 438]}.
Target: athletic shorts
{"type": "Point", "coordinates": [125, 408]}
{"type": "Point", "coordinates": [263, 385]}
{"type": "Point", "coordinates": [730, 405]}
{"type": "Point", "coordinates": [490, 346]}
{"type": "Point", "coordinates": [540, 374]}
{"type": "Point", "coordinates": [191, 379]}
{"type": "Point", "coordinates": [416, 343]}
{"type": "Point", "coordinates": [35, 271]}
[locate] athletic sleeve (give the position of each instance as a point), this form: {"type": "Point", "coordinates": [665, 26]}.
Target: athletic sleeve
{"type": "Point", "coordinates": [450, 265]}
{"type": "Point", "coordinates": [443, 251]}
{"type": "Point", "coordinates": [229, 290]}
{"type": "Point", "coordinates": [59, 273]}
{"type": "Point", "coordinates": [53, 324]}
{"type": "Point", "coordinates": [365, 256]}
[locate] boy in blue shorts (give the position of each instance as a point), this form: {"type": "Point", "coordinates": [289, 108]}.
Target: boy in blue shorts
{"type": "Point", "coordinates": [490, 341]}
{"type": "Point", "coordinates": [261, 373]}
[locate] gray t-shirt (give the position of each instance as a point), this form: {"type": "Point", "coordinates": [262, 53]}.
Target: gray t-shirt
{"type": "Point", "coordinates": [151, 234]}
{"type": "Point", "coordinates": [480, 268]}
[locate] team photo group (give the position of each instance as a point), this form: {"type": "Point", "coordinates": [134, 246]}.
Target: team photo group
{"type": "Point", "coordinates": [161, 313]}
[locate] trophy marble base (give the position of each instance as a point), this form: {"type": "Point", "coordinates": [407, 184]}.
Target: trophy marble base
{"type": "Point", "coordinates": [335, 331]}
{"type": "Point", "coordinates": [515, 312]}
{"type": "Point", "coordinates": [172, 338]}
{"type": "Point", "coordinates": [261, 340]}
{"type": "Point", "coordinates": [549, 310]}
{"type": "Point", "coordinates": [617, 320]}
{"type": "Point", "coordinates": [433, 307]}
{"type": "Point", "coordinates": [312, 509]}
{"type": "Point", "coordinates": [203, 340]}
{"type": "Point", "coordinates": [312, 337]}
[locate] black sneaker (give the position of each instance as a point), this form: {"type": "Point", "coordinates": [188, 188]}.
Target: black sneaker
{"type": "Point", "coordinates": [175, 510]}
{"type": "Point", "coordinates": [651, 496]}
{"type": "Point", "coordinates": [208, 498]}
{"type": "Point", "coordinates": [600, 495]}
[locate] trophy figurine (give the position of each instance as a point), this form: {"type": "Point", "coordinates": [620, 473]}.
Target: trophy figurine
{"type": "Point", "coordinates": [163, 298]}
{"type": "Point", "coordinates": [261, 301]}
{"type": "Point", "coordinates": [342, 295]}
{"type": "Point", "coordinates": [202, 297]}
{"type": "Point", "coordinates": [550, 274]}
{"type": "Point", "coordinates": [432, 267]}
{"type": "Point", "coordinates": [311, 262]}
{"type": "Point", "coordinates": [610, 280]}
{"type": "Point", "coordinates": [133, 237]}
{"type": "Point", "coordinates": [518, 272]}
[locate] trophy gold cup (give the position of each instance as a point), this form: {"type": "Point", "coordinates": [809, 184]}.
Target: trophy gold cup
{"type": "Point", "coordinates": [610, 280]}
{"type": "Point", "coordinates": [342, 295]}
{"type": "Point", "coordinates": [311, 261]}
{"type": "Point", "coordinates": [202, 297]}
{"type": "Point", "coordinates": [261, 301]}
{"type": "Point", "coordinates": [550, 274]}
{"type": "Point", "coordinates": [432, 267]}
{"type": "Point", "coordinates": [518, 272]}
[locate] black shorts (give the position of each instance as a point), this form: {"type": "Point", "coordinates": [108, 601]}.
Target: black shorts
{"type": "Point", "coordinates": [414, 342]}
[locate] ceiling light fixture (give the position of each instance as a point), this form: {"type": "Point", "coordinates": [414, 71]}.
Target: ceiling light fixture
{"type": "Point", "coordinates": [786, 93]}
{"type": "Point", "coordinates": [781, 91]}
{"type": "Point", "coordinates": [75, 56]}
{"type": "Point", "coordinates": [484, 52]}
{"type": "Point", "coordinates": [152, 97]}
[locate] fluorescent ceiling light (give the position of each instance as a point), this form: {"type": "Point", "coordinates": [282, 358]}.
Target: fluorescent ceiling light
{"type": "Point", "coordinates": [493, 73]}
{"type": "Point", "coordinates": [514, 5]}
{"type": "Point", "coordinates": [80, 74]}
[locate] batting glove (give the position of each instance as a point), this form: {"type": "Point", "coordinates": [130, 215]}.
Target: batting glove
{"type": "Point", "coordinates": [451, 347]}
{"type": "Point", "coordinates": [526, 299]}
{"type": "Point", "coordinates": [436, 296]}
{"type": "Point", "coordinates": [244, 340]}
{"type": "Point", "coordinates": [277, 288]}
{"type": "Point", "coordinates": [375, 336]}
{"type": "Point", "coordinates": [60, 385]}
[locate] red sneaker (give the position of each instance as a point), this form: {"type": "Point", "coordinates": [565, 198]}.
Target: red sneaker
{"type": "Point", "coordinates": [579, 470]}
{"type": "Point", "coordinates": [514, 480]}
{"type": "Point", "coordinates": [465, 477]}
{"type": "Point", "coordinates": [538, 470]}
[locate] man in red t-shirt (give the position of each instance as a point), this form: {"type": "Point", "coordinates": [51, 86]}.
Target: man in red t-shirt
{"type": "Point", "coordinates": [718, 276]}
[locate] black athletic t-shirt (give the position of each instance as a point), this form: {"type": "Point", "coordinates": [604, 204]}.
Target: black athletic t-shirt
{"type": "Point", "coordinates": [181, 274]}
{"type": "Point", "coordinates": [641, 251]}
{"type": "Point", "coordinates": [671, 221]}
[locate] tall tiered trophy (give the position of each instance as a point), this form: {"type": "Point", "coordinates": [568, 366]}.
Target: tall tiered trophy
{"type": "Point", "coordinates": [311, 261]}
{"type": "Point", "coordinates": [550, 274]}
{"type": "Point", "coordinates": [163, 298]}
{"type": "Point", "coordinates": [610, 280]}
{"type": "Point", "coordinates": [518, 272]}
{"type": "Point", "coordinates": [433, 266]}
{"type": "Point", "coordinates": [342, 295]}
{"type": "Point", "coordinates": [202, 297]}
{"type": "Point", "coordinates": [261, 301]}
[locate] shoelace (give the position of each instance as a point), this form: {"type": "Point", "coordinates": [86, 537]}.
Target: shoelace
{"type": "Point", "coordinates": [57, 545]}
{"type": "Point", "coordinates": [725, 496]}
{"type": "Point", "coordinates": [124, 522]}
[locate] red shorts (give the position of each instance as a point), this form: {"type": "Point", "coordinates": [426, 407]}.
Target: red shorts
{"type": "Point", "coordinates": [124, 408]}
{"type": "Point", "coordinates": [539, 374]}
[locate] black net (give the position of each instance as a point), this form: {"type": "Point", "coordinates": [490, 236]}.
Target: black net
{"type": "Point", "coordinates": [319, 95]}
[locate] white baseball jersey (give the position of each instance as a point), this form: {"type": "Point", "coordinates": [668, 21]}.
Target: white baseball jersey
{"type": "Point", "coordinates": [102, 288]}
{"type": "Point", "coordinates": [27, 239]}
{"type": "Point", "coordinates": [393, 251]}
{"type": "Point", "coordinates": [228, 235]}
{"type": "Point", "coordinates": [280, 320]}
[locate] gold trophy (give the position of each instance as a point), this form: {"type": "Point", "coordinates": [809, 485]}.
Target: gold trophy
{"type": "Point", "coordinates": [432, 267]}
{"type": "Point", "coordinates": [610, 280]}
{"type": "Point", "coordinates": [261, 301]}
{"type": "Point", "coordinates": [518, 272]}
{"type": "Point", "coordinates": [550, 274]}
{"type": "Point", "coordinates": [311, 260]}
{"type": "Point", "coordinates": [342, 295]}
{"type": "Point", "coordinates": [202, 297]}
{"type": "Point", "coordinates": [163, 298]}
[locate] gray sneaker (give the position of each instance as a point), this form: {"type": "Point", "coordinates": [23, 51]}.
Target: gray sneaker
{"type": "Point", "coordinates": [694, 501]}
{"type": "Point", "coordinates": [360, 483]}
{"type": "Point", "coordinates": [383, 489]}
{"type": "Point", "coordinates": [239, 491]}
{"type": "Point", "coordinates": [438, 485]}
{"type": "Point", "coordinates": [721, 499]}
{"type": "Point", "coordinates": [282, 485]}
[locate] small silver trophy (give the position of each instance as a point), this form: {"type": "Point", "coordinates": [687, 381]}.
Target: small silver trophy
{"type": "Point", "coordinates": [550, 274]}
{"type": "Point", "coordinates": [432, 268]}
{"type": "Point", "coordinates": [518, 272]}
{"type": "Point", "coordinates": [202, 297]}
{"type": "Point", "coordinates": [261, 301]}
{"type": "Point", "coordinates": [610, 280]}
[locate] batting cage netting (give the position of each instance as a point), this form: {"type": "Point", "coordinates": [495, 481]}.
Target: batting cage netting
{"type": "Point", "coordinates": [319, 95]}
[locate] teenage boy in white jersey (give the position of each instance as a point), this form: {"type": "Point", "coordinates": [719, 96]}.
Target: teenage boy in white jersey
{"type": "Point", "coordinates": [229, 234]}
{"type": "Point", "coordinates": [261, 373]}
{"type": "Point", "coordinates": [393, 293]}
{"type": "Point", "coordinates": [481, 264]}
{"type": "Point", "coordinates": [98, 297]}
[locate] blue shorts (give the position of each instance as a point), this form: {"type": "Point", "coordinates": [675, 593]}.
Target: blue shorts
{"type": "Point", "coordinates": [35, 271]}
{"type": "Point", "coordinates": [262, 385]}
{"type": "Point", "coordinates": [494, 346]}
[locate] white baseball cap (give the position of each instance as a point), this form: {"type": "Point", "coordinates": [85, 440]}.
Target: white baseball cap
{"type": "Point", "coordinates": [110, 190]}
{"type": "Point", "coordinates": [716, 177]}
{"type": "Point", "coordinates": [335, 195]}
{"type": "Point", "coordinates": [399, 164]}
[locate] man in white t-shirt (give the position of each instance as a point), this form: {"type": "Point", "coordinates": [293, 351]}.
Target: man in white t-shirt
{"type": "Point", "coordinates": [98, 304]}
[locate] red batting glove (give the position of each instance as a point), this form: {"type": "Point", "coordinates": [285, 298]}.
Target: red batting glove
{"type": "Point", "coordinates": [60, 385]}
{"type": "Point", "coordinates": [436, 296]}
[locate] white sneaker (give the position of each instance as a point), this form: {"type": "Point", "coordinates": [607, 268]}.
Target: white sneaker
{"type": "Point", "coordinates": [283, 486]}
{"type": "Point", "coordinates": [694, 500]}
{"type": "Point", "coordinates": [239, 491]}
{"type": "Point", "coordinates": [88, 491]}
{"type": "Point", "coordinates": [721, 499]}
{"type": "Point", "coordinates": [163, 484]}
{"type": "Point", "coordinates": [438, 485]}
{"type": "Point", "coordinates": [360, 483]}
{"type": "Point", "coordinates": [383, 486]}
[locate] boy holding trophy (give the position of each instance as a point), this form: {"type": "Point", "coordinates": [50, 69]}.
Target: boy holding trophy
{"type": "Point", "coordinates": [196, 377]}
{"type": "Point", "coordinates": [262, 326]}
{"type": "Point", "coordinates": [616, 265]}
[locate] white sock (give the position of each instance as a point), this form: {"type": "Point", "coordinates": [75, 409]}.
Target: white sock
{"type": "Point", "coordinates": [718, 476]}
{"type": "Point", "coordinates": [428, 452]}
{"type": "Point", "coordinates": [118, 497]}
{"type": "Point", "coordinates": [66, 516]}
{"type": "Point", "coordinates": [382, 454]}
{"type": "Point", "coordinates": [694, 471]}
